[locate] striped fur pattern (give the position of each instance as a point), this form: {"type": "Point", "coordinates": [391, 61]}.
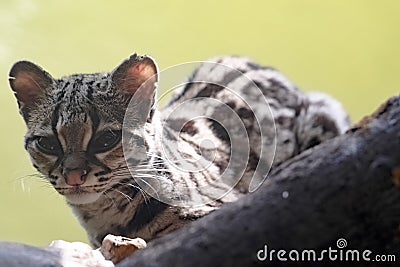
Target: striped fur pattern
{"type": "Point", "coordinates": [75, 127]}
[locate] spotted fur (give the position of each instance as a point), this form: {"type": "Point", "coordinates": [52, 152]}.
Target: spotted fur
{"type": "Point", "coordinates": [109, 193]}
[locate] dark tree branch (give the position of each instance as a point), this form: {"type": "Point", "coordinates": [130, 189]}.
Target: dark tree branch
{"type": "Point", "coordinates": [16, 255]}
{"type": "Point", "coordinates": [347, 188]}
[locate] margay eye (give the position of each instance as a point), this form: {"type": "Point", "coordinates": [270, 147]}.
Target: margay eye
{"type": "Point", "coordinates": [105, 141]}
{"type": "Point", "coordinates": [48, 145]}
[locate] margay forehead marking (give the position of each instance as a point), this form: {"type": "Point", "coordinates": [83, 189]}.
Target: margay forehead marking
{"type": "Point", "coordinates": [75, 95]}
{"type": "Point", "coordinates": [80, 98]}
{"type": "Point", "coordinates": [75, 136]}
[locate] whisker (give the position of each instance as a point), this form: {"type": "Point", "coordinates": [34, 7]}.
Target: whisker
{"type": "Point", "coordinates": [125, 195]}
{"type": "Point", "coordinates": [144, 175]}
{"type": "Point", "coordinates": [151, 188]}
{"type": "Point", "coordinates": [142, 192]}
{"type": "Point", "coordinates": [164, 170]}
{"type": "Point", "coordinates": [110, 198]}
{"type": "Point", "coordinates": [146, 198]}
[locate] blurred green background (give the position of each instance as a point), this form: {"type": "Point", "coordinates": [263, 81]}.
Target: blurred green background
{"type": "Point", "coordinates": [349, 49]}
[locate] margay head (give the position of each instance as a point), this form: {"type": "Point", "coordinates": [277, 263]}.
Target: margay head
{"type": "Point", "coordinates": [74, 124]}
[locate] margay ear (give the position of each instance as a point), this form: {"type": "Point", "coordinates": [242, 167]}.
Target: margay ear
{"type": "Point", "coordinates": [135, 72]}
{"type": "Point", "coordinates": [28, 81]}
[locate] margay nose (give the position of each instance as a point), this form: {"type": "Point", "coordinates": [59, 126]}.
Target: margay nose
{"type": "Point", "coordinates": [75, 177]}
